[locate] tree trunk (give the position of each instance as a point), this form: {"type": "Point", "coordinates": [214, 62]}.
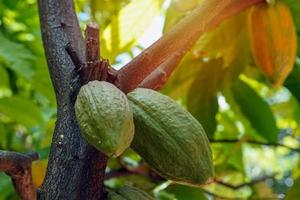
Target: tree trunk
{"type": "Point", "coordinates": [75, 169]}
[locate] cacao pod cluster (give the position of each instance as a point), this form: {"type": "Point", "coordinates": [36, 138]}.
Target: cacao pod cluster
{"type": "Point", "coordinates": [273, 40]}
{"type": "Point", "coordinates": [164, 134]}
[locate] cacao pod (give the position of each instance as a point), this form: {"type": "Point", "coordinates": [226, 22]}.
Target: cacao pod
{"type": "Point", "coordinates": [273, 40]}
{"type": "Point", "coordinates": [105, 117]}
{"type": "Point", "coordinates": [169, 138]}
{"type": "Point", "coordinates": [128, 193]}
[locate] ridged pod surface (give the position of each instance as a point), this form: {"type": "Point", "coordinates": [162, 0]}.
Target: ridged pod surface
{"type": "Point", "coordinates": [169, 138]}
{"type": "Point", "coordinates": [273, 40]}
{"type": "Point", "coordinates": [105, 117]}
{"type": "Point", "coordinates": [128, 193]}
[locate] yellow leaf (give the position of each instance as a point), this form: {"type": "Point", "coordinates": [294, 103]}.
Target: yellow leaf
{"type": "Point", "coordinates": [38, 172]}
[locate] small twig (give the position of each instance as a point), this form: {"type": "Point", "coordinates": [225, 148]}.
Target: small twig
{"type": "Point", "coordinates": [92, 42]}
{"type": "Point", "coordinates": [18, 167]}
{"type": "Point", "coordinates": [250, 183]}
{"type": "Point", "coordinates": [274, 144]}
{"type": "Point", "coordinates": [159, 76]}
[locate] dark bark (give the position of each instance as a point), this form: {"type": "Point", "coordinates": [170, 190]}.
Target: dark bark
{"type": "Point", "coordinates": [75, 169]}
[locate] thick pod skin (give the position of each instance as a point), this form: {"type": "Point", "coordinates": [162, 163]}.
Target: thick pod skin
{"type": "Point", "coordinates": [128, 193]}
{"type": "Point", "coordinates": [105, 117]}
{"type": "Point", "coordinates": [169, 138]}
{"type": "Point", "coordinates": [273, 40]}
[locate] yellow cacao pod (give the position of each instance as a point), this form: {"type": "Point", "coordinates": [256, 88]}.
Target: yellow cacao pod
{"type": "Point", "coordinates": [273, 40]}
{"type": "Point", "coordinates": [105, 117]}
{"type": "Point", "coordinates": [169, 138]}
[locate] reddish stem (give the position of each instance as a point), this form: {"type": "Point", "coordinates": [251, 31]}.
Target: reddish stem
{"type": "Point", "coordinates": [18, 167]}
{"type": "Point", "coordinates": [180, 39]}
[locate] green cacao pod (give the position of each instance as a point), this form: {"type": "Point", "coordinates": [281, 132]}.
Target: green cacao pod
{"type": "Point", "coordinates": [169, 138]}
{"type": "Point", "coordinates": [128, 193]}
{"type": "Point", "coordinates": [105, 117]}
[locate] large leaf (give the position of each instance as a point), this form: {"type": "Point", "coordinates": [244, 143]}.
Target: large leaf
{"type": "Point", "coordinates": [228, 42]}
{"type": "Point", "coordinates": [21, 110]}
{"type": "Point", "coordinates": [256, 110]}
{"type": "Point", "coordinates": [126, 28]}
{"type": "Point", "coordinates": [202, 98]}
{"type": "Point", "coordinates": [16, 57]}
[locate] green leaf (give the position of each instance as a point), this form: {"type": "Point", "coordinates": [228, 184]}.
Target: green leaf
{"type": "Point", "coordinates": [4, 77]}
{"type": "Point", "coordinates": [182, 192]}
{"type": "Point", "coordinates": [126, 28]}
{"type": "Point", "coordinates": [16, 57]}
{"type": "Point", "coordinates": [41, 83]}
{"type": "Point", "coordinates": [202, 98]}
{"type": "Point", "coordinates": [293, 82]}
{"type": "Point", "coordinates": [256, 110]}
{"type": "Point", "coordinates": [295, 9]}
{"type": "Point", "coordinates": [3, 139]}
{"type": "Point", "coordinates": [21, 110]}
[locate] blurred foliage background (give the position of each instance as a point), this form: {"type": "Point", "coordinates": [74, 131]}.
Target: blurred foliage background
{"type": "Point", "coordinates": [248, 121]}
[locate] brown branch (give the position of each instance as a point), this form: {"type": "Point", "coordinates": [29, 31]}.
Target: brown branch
{"type": "Point", "coordinates": [274, 144]}
{"type": "Point", "coordinates": [18, 167]}
{"type": "Point", "coordinates": [160, 75]}
{"type": "Point", "coordinates": [180, 39]}
{"type": "Point", "coordinates": [250, 183]}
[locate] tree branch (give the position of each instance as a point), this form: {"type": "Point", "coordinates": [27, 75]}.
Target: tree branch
{"type": "Point", "coordinates": [160, 75]}
{"type": "Point", "coordinates": [75, 169]}
{"type": "Point", "coordinates": [274, 144]}
{"type": "Point", "coordinates": [250, 183]}
{"type": "Point", "coordinates": [18, 167]}
{"type": "Point", "coordinates": [180, 39]}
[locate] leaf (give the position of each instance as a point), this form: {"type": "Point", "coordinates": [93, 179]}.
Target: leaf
{"type": "Point", "coordinates": [293, 82]}
{"type": "Point", "coordinates": [226, 42]}
{"type": "Point", "coordinates": [4, 77]}
{"type": "Point", "coordinates": [21, 110]}
{"type": "Point", "coordinates": [202, 97]}
{"type": "Point", "coordinates": [41, 83]}
{"type": "Point", "coordinates": [295, 9]}
{"type": "Point", "coordinates": [256, 110]}
{"type": "Point", "coordinates": [3, 139]}
{"type": "Point", "coordinates": [6, 188]}
{"type": "Point", "coordinates": [39, 172]}
{"type": "Point", "coordinates": [16, 57]}
{"type": "Point", "coordinates": [186, 193]}
{"type": "Point", "coordinates": [177, 10]}
{"type": "Point", "coordinates": [126, 28]}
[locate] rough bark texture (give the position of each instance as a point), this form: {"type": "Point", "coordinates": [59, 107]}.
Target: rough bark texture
{"type": "Point", "coordinates": [75, 168]}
